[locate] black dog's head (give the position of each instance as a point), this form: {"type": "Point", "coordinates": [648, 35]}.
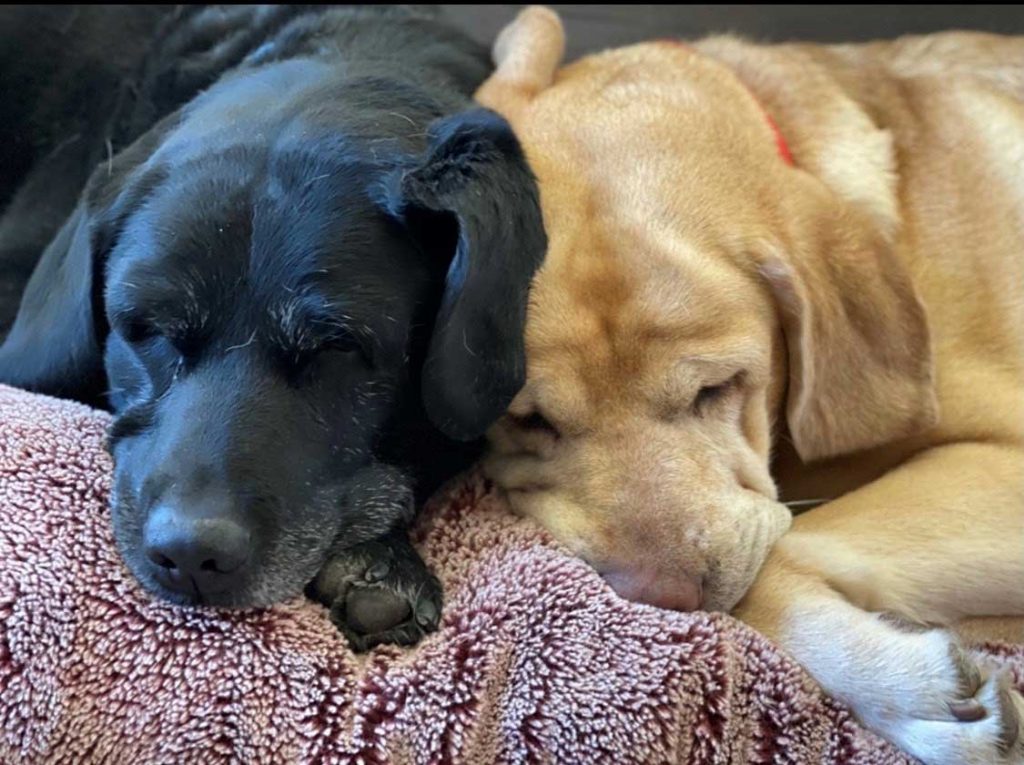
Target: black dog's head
{"type": "Point", "coordinates": [266, 295]}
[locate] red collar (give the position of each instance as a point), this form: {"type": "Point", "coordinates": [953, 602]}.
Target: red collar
{"type": "Point", "coordinates": [780, 140]}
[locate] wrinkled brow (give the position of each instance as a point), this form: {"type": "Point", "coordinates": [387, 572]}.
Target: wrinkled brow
{"type": "Point", "coordinates": [176, 303]}
{"type": "Point", "coordinates": [302, 323]}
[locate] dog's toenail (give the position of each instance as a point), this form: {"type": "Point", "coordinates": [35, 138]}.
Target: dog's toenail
{"type": "Point", "coordinates": [1010, 727]}
{"type": "Point", "coordinates": [970, 674]}
{"type": "Point", "coordinates": [426, 614]}
{"type": "Point", "coordinates": [967, 710]}
{"type": "Point", "coordinates": [377, 571]}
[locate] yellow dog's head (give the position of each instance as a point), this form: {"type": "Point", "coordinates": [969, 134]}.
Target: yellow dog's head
{"type": "Point", "coordinates": [696, 284]}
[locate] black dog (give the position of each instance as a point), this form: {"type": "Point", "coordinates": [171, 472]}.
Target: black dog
{"type": "Point", "coordinates": [302, 293]}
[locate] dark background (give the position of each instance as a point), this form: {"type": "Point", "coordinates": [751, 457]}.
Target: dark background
{"type": "Point", "coordinates": [593, 27]}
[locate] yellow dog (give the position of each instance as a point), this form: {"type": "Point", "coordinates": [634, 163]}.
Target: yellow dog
{"type": "Point", "coordinates": [781, 275]}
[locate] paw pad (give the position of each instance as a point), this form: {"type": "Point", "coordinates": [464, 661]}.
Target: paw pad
{"type": "Point", "coordinates": [370, 610]}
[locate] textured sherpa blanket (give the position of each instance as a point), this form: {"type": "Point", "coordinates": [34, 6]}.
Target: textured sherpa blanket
{"type": "Point", "coordinates": [535, 661]}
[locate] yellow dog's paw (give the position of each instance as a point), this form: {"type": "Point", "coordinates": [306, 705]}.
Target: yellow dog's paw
{"type": "Point", "coordinates": [959, 713]}
{"type": "Point", "coordinates": [993, 738]}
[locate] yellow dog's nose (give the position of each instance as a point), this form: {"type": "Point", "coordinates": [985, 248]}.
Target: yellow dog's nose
{"type": "Point", "coordinates": [677, 592]}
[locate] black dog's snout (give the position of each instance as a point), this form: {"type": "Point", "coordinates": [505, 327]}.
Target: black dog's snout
{"type": "Point", "coordinates": [197, 552]}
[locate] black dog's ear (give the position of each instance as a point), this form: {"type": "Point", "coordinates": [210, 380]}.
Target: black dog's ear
{"type": "Point", "coordinates": [55, 345]}
{"type": "Point", "coordinates": [473, 194]}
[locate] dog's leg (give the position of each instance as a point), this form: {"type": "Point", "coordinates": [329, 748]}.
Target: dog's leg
{"type": "Point", "coordinates": [939, 539]}
{"type": "Point", "coordinates": [380, 592]}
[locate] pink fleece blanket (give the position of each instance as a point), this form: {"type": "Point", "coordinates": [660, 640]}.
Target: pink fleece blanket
{"type": "Point", "coordinates": [536, 660]}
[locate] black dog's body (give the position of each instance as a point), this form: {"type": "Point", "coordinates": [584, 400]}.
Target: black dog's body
{"type": "Point", "coordinates": [302, 293]}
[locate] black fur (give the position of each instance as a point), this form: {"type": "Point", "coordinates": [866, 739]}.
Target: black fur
{"type": "Point", "coordinates": [301, 291]}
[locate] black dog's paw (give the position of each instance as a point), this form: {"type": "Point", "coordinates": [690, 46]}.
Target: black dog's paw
{"type": "Point", "coordinates": [380, 592]}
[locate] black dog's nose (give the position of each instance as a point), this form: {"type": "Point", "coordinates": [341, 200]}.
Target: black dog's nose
{"type": "Point", "coordinates": [194, 551]}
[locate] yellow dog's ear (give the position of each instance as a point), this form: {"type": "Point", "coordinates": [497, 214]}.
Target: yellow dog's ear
{"type": "Point", "coordinates": [859, 349]}
{"type": "Point", "coordinates": [860, 357]}
{"type": "Point", "coordinates": [526, 56]}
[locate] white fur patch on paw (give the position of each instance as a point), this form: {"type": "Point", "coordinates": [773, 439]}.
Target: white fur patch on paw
{"type": "Point", "coordinates": [995, 739]}
{"type": "Point", "coordinates": [951, 711]}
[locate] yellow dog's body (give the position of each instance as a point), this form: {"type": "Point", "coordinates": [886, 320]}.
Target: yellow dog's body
{"type": "Point", "coordinates": [715, 330]}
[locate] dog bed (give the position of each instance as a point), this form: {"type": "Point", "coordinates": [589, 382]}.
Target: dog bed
{"type": "Point", "coordinates": [536, 660]}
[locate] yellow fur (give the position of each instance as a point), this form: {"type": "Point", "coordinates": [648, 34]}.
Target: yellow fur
{"type": "Point", "coordinates": [867, 306]}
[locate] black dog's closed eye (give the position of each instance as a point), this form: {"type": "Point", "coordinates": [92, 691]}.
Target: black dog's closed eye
{"type": "Point", "coordinates": [139, 330]}
{"type": "Point", "coordinates": [139, 322]}
{"type": "Point", "coordinates": [167, 351]}
{"type": "Point", "coordinates": [339, 346]}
